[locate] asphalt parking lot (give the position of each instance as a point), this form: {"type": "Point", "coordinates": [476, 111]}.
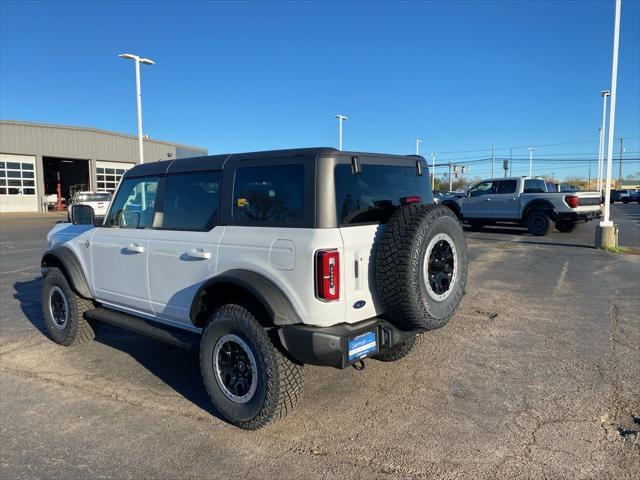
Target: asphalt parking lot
{"type": "Point", "coordinates": [536, 376]}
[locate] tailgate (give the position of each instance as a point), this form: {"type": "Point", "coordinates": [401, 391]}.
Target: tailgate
{"type": "Point", "coordinates": [591, 200]}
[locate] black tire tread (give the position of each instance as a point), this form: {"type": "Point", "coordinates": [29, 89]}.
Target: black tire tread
{"type": "Point", "coordinates": [399, 351]}
{"type": "Point", "coordinates": [394, 257]}
{"type": "Point", "coordinates": [85, 331]}
{"type": "Point", "coordinates": [284, 377]}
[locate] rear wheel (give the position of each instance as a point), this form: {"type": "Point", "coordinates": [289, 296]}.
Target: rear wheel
{"type": "Point", "coordinates": [397, 352]}
{"type": "Point", "coordinates": [565, 227]}
{"type": "Point", "coordinates": [421, 266]}
{"type": "Point", "coordinates": [249, 381]}
{"type": "Point", "coordinates": [538, 223]}
{"type": "Point", "coordinates": [63, 311]}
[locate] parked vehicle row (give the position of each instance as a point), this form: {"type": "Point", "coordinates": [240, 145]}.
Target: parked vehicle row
{"type": "Point", "coordinates": [264, 262]}
{"type": "Point", "coordinates": [524, 201]}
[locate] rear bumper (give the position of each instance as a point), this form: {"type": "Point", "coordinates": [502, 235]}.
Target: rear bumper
{"type": "Point", "coordinates": [578, 216]}
{"type": "Point", "coordinates": [328, 346]}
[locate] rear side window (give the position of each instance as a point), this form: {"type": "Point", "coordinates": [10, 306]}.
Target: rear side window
{"type": "Point", "coordinates": [191, 201]}
{"type": "Point", "coordinates": [506, 187]}
{"type": "Point", "coordinates": [373, 195]}
{"type": "Point", "coordinates": [269, 195]}
{"type": "Point", "coordinates": [534, 186]}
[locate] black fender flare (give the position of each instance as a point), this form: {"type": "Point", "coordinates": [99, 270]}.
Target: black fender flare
{"type": "Point", "coordinates": [539, 204]}
{"type": "Point", "coordinates": [452, 205]}
{"type": "Point", "coordinates": [270, 296]}
{"type": "Point", "coordinates": [62, 256]}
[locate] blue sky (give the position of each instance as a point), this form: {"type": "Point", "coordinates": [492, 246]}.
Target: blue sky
{"type": "Point", "coordinates": [242, 76]}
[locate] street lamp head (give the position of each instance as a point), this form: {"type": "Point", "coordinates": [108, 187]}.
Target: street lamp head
{"type": "Point", "coordinates": [341, 117]}
{"type": "Point", "coordinates": [131, 56]}
{"type": "Point", "coordinates": [605, 93]}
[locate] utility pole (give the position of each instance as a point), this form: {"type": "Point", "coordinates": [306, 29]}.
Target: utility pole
{"type": "Point", "coordinates": [510, 161]}
{"type": "Point", "coordinates": [620, 167]}
{"type": "Point", "coordinates": [418, 142]}
{"type": "Point", "coordinates": [493, 160]}
{"type": "Point", "coordinates": [450, 177]}
{"type": "Point", "coordinates": [433, 171]}
{"type": "Point", "coordinates": [340, 118]}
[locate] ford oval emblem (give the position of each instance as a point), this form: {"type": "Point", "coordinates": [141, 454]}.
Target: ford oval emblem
{"type": "Point", "coordinates": [359, 304]}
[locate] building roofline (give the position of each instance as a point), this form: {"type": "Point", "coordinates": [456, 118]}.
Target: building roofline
{"type": "Point", "coordinates": [95, 130]}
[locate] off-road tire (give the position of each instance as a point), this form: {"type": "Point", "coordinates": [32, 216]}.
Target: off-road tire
{"type": "Point", "coordinates": [538, 223]}
{"type": "Point", "coordinates": [400, 269]}
{"type": "Point", "coordinates": [76, 329]}
{"type": "Point", "coordinates": [279, 380]}
{"type": "Point", "coordinates": [565, 227]}
{"type": "Point", "coordinates": [398, 352]}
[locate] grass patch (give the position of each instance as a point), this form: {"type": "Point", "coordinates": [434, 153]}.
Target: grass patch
{"type": "Point", "coordinates": [622, 250]}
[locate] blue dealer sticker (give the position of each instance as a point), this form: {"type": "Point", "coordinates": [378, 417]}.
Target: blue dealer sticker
{"type": "Point", "coordinates": [362, 346]}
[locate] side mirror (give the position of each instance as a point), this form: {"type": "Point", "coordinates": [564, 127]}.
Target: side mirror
{"type": "Point", "coordinates": [82, 215]}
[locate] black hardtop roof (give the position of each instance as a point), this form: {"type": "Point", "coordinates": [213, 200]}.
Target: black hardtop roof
{"type": "Point", "coordinates": [218, 162]}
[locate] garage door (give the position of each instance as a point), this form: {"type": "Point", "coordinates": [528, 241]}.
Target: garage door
{"type": "Point", "coordinates": [18, 183]}
{"type": "Point", "coordinates": [108, 175]}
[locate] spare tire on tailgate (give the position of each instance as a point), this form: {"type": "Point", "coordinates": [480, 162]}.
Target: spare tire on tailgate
{"type": "Point", "coordinates": [421, 266]}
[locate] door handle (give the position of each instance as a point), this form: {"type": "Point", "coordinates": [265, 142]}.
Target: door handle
{"type": "Point", "coordinates": [199, 253]}
{"type": "Point", "coordinates": [135, 248]}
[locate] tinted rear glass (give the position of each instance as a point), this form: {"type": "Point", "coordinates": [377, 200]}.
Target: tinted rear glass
{"type": "Point", "coordinates": [269, 195]}
{"type": "Point", "coordinates": [373, 195]}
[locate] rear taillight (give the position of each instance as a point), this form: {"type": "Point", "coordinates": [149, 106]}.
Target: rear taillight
{"type": "Point", "coordinates": [328, 275]}
{"type": "Point", "coordinates": [572, 201]}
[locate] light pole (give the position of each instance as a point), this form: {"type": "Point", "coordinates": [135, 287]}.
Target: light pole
{"type": "Point", "coordinates": [606, 222]}
{"type": "Point", "coordinates": [604, 94]}
{"type": "Point", "coordinates": [418, 142]}
{"type": "Point", "coordinates": [433, 171]}
{"type": "Point", "coordinates": [138, 61]}
{"type": "Point", "coordinates": [531, 149]}
{"type": "Point", "coordinates": [340, 118]}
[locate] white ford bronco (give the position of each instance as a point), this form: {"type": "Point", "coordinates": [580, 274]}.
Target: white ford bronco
{"type": "Point", "coordinates": [264, 262]}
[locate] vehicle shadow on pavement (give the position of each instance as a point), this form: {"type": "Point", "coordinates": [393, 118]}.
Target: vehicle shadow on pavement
{"type": "Point", "coordinates": [177, 368]}
{"type": "Point", "coordinates": [28, 295]}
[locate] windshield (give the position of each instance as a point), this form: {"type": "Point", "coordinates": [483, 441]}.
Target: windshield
{"type": "Point", "coordinates": [93, 197]}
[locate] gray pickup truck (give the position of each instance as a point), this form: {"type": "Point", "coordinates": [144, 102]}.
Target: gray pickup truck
{"type": "Point", "coordinates": [525, 201]}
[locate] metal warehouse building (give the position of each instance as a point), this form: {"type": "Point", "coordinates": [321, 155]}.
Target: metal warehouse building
{"type": "Point", "coordinates": [34, 156]}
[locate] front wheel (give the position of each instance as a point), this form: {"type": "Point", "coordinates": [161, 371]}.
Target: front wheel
{"type": "Point", "coordinates": [63, 310]}
{"type": "Point", "coordinates": [249, 381]}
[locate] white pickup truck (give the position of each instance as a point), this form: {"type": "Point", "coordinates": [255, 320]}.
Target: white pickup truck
{"type": "Point", "coordinates": [525, 201]}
